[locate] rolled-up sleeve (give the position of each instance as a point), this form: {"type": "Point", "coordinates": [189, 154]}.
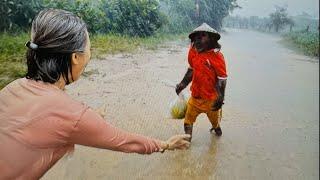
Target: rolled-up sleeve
{"type": "Point", "coordinates": [191, 55]}
{"type": "Point", "coordinates": [93, 130]}
{"type": "Point", "coordinates": [220, 66]}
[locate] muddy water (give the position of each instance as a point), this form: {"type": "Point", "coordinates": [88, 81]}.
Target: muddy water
{"type": "Point", "coordinates": [270, 124]}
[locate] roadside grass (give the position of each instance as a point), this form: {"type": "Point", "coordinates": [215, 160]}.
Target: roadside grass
{"type": "Point", "coordinates": [103, 44]}
{"type": "Point", "coordinates": [305, 42]}
{"type": "Point", "coordinates": [12, 57]}
{"type": "Point", "coordinates": [12, 50]}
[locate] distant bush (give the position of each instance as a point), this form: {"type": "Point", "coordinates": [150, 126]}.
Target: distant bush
{"type": "Point", "coordinates": [16, 15]}
{"type": "Point", "coordinates": [135, 18]}
{"type": "Point", "coordinates": [306, 41]}
{"type": "Point", "coordinates": [91, 12]}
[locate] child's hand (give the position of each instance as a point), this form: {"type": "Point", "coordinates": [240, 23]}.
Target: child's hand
{"type": "Point", "coordinates": [179, 88]}
{"type": "Point", "coordinates": [217, 104]}
{"type": "Point", "coordinates": [176, 142]}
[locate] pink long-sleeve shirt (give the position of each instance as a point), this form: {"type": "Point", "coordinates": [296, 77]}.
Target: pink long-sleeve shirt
{"type": "Point", "coordinates": [40, 123]}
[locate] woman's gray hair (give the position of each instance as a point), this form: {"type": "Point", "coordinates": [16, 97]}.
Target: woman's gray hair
{"type": "Point", "coordinates": [57, 30]}
{"type": "Point", "coordinates": [55, 35]}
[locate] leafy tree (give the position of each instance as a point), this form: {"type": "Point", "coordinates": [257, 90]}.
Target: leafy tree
{"type": "Point", "coordinates": [184, 14]}
{"type": "Point", "coordinates": [214, 11]}
{"type": "Point", "coordinates": [279, 18]}
{"type": "Point", "coordinates": [181, 15]}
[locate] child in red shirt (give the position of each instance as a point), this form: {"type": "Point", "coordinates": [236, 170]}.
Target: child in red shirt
{"type": "Point", "coordinates": [208, 75]}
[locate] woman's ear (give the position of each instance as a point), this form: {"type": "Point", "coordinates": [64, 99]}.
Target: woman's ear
{"type": "Point", "coordinates": [74, 59]}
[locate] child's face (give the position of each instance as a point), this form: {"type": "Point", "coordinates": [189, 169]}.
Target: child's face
{"type": "Point", "coordinates": [204, 37]}
{"type": "Point", "coordinates": [202, 41]}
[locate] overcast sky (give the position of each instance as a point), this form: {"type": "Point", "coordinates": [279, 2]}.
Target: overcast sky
{"type": "Point", "coordinates": [265, 7]}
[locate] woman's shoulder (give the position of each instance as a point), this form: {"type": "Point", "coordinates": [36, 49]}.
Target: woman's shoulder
{"type": "Point", "coordinates": [62, 100]}
{"type": "Point", "coordinates": [50, 95]}
{"type": "Point", "coordinates": [39, 95]}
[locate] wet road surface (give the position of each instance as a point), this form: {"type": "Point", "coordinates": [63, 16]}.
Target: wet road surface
{"type": "Point", "coordinates": [270, 124]}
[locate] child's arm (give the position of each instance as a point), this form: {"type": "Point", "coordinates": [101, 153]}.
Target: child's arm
{"type": "Point", "coordinates": [220, 87]}
{"type": "Point", "coordinates": [185, 81]}
{"type": "Point", "coordinates": [221, 72]}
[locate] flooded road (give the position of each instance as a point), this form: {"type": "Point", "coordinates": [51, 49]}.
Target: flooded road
{"type": "Point", "coordinates": [270, 124]}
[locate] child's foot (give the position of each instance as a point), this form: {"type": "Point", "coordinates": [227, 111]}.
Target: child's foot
{"type": "Point", "coordinates": [217, 130]}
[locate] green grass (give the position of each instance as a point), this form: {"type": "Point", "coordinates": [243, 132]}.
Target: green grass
{"type": "Point", "coordinates": [307, 42]}
{"type": "Point", "coordinates": [12, 57]}
{"type": "Point", "coordinates": [12, 50]}
{"type": "Point", "coordinates": [103, 44]}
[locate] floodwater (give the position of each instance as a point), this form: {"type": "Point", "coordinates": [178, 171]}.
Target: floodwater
{"type": "Point", "coordinates": [270, 124]}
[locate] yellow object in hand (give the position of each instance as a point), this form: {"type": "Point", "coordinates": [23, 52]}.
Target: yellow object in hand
{"type": "Point", "coordinates": [178, 108]}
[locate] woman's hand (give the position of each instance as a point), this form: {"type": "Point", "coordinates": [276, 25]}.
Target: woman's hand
{"type": "Point", "coordinates": [176, 142]}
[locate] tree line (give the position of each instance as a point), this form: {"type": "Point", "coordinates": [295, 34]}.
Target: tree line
{"type": "Point", "coordinates": [279, 20]}
{"type": "Point", "coordinates": [131, 17]}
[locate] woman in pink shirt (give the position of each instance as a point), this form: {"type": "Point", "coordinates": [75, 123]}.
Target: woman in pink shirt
{"type": "Point", "coordinates": [39, 122]}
